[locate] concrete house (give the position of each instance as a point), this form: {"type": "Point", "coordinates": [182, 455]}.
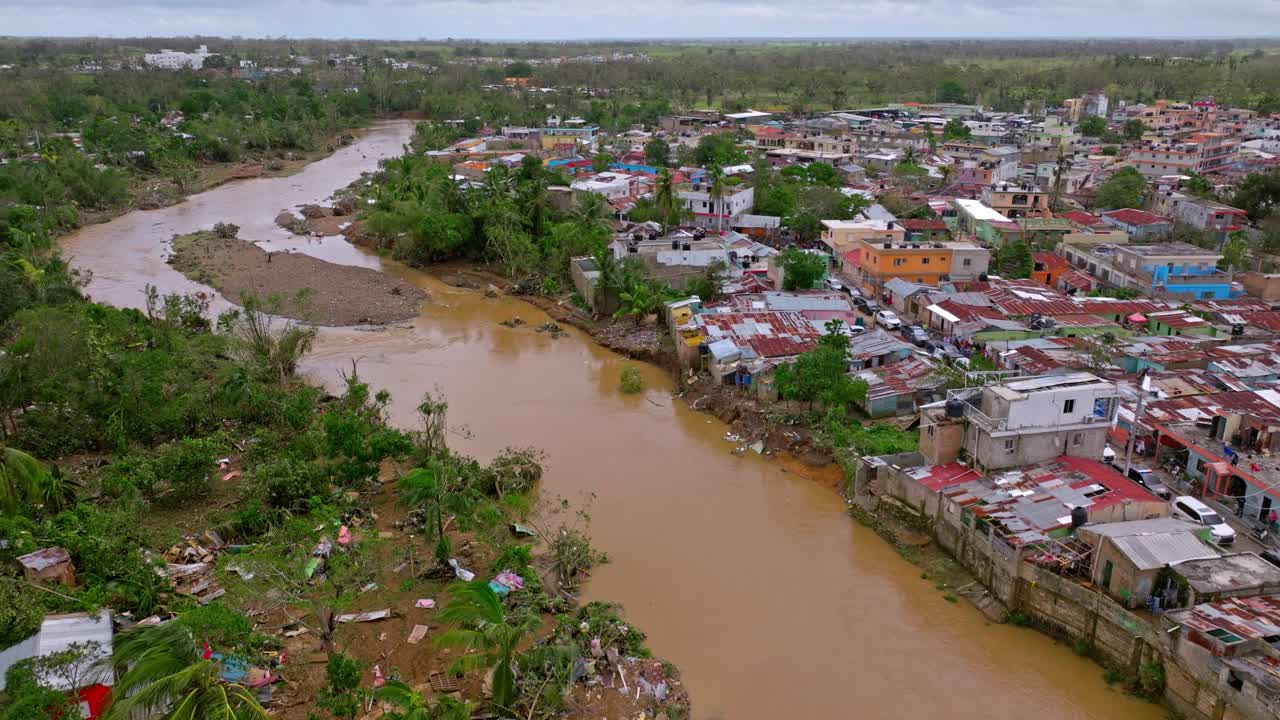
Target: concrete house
{"type": "Point", "coordinates": [1128, 557]}
{"type": "Point", "coordinates": [1174, 269]}
{"type": "Point", "coordinates": [1031, 420]}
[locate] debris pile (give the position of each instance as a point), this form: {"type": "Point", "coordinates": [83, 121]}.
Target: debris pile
{"type": "Point", "coordinates": [189, 566]}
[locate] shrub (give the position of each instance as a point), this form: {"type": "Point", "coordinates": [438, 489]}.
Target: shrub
{"type": "Point", "coordinates": [290, 483]}
{"type": "Point", "coordinates": [632, 380]}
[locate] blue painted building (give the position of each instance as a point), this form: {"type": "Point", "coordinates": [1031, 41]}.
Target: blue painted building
{"type": "Point", "coordinates": [1174, 270]}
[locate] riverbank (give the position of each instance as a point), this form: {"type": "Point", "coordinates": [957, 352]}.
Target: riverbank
{"type": "Point", "coordinates": [309, 289]}
{"type": "Point", "coordinates": [153, 192]}
{"type": "Point", "coordinates": [716, 586]}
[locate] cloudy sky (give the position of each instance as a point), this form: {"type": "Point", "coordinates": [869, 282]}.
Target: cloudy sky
{"type": "Point", "coordinates": [574, 19]}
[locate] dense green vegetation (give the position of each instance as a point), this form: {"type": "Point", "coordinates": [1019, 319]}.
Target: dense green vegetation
{"type": "Point", "coordinates": [128, 156]}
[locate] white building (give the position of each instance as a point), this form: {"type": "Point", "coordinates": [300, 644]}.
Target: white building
{"type": "Point", "coordinates": [709, 212]}
{"type": "Point", "coordinates": [611, 185]}
{"type": "Point", "coordinates": [173, 60]}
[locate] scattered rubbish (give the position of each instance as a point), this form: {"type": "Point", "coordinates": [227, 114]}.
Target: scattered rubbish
{"type": "Point", "coordinates": [195, 580]}
{"type": "Point", "coordinates": [462, 574]}
{"type": "Point", "coordinates": [523, 530]}
{"type": "Point", "coordinates": [369, 588]}
{"type": "Point", "coordinates": [513, 322]}
{"type": "Point", "coordinates": [312, 565]}
{"type": "Point", "coordinates": [509, 580]}
{"type": "Point", "coordinates": [344, 536]}
{"type": "Point", "coordinates": [244, 574]}
{"type": "Point", "coordinates": [323, 548]}
{"type": "Point", "coordinates": [425, 603]}
{"type": "Point", "coordinates": [419, 632]}
{"type": "Point", "coordinates": [382, 637]}
{"type": "Point", "coordinates": [224, 463]}
{"type": "Point", "coordinates": [551, 328]}
{"type": "Point", "coordinates": [295, 633]}
{"type": "Point", "coordinates": [499, 589]}
{"type": "Point", "coordinates": [491, 291]}
{"type": "Point", "coordinates": [442, 683]}
{"type": "Point", "coordinates": [757, 446]}
{"type": "Point", "coordinates": [364, 616]}
{"type": "Point", "coordinates": [234, 474]}
{"type": "Point", "coordinates": [378, 680]}
{"type": "Point", "coordinates": [732, 437]}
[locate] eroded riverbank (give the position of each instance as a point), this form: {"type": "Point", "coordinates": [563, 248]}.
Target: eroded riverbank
{"type": "Point", "coordinates": [754, 581]}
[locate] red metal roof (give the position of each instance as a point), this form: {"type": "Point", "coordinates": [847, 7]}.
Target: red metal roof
{"type": "Point", "coordinates": [922, 225]}
{"type": "Point", "coordinates": [1031, 360]}
{"type": "Point", "coordinates": [1081, 217]}
{"type": "Point", "coordinates": [769, 334]}
{"type": "Point", "coordinates": [1130, 216]}
{"type": "Point", "coordinates": [969, 312]}
{"type": "Point", "coordinates": [1051, 261]}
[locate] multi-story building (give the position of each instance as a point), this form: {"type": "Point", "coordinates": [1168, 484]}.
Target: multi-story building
{"type": "Point", "coordinates": [1034, 420]}
{"type": "Point", "coordinates": [842, 236]}
{"type": "Point", "coordinates": [921, 263]}
{"type": "Point", "coordinates": [570, 138]}
{"type": "Point", "coordinates": [1204, 152]}
{"type": "Point", "coordinates": [174, 60]}
{"type": "Point", "coordinates": [809, 142]}
{"type": "Point", "coordinates": [710, 211]}
{"type": "Point", "coordinates": [1174, 269]}
{"type": "Point", "coordinates": [1013, 201]}
{"type": "Point", "coordinates": [1214, 217]}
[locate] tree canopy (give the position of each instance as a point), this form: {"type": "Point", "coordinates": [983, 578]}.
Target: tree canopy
{"type": "Point", "coordinates": [1125, 189]}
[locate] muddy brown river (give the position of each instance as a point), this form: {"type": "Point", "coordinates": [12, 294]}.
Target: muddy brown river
{"type": "Point", "coordinates": [751, 579]}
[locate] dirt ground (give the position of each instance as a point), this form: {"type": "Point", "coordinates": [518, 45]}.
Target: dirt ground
{"type": "Point", "coordinates": [332, 294]}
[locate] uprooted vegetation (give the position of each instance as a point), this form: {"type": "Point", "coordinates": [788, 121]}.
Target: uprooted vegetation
{"type": "Point", "coordinates": [198, 482]}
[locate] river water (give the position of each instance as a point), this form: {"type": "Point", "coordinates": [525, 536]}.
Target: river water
{"type": "Point", "coordinates": [751, 579]}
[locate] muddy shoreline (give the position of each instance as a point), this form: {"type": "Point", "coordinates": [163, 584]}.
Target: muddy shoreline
{"type": "Point", "coordinates": [308, 289]}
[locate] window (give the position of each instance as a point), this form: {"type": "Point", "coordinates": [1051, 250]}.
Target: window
{"type": "Point", "coordinates": [899, 261]}
{"type": "Point", "coordinates": [1077, 439]}
{"type": "Point", "coordinates": [1011, 444]}
{"type": "Point", "coordinates": [931, 427]}
{"type": "Point", "coordinates": [968, 262]}
{"type": "Point", "coordinates": [924, 261]}
{"type": "Point", "coordinates": [1069, 406]}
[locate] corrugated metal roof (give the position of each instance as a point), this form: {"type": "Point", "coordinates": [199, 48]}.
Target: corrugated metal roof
{"type": "Point", "coordinates": [59, 632]}
{"type": "Point", "coordinates": [1148, 552]}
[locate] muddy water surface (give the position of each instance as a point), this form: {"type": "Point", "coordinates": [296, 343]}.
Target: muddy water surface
{"type": "Point", "coordinates": [752, 580]}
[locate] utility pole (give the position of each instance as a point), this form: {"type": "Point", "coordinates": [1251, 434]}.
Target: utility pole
{"type": "Point", "coordinates": [1137, 415]}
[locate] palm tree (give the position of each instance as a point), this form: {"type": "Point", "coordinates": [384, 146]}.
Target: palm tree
{"type": "Point", "coordinates": [25, 482]}
{"type": "Point", "coordinates": [412, 706]}
{"type": "Point", "coordinates": [421, 488]}
{"type": "Point", "coordinates": [483, 627]}
{"type": "Point", "coordinates": [589, 213]}
{"type": "Point", "coordinates": [664, 198]}
{"type": "Point", "coordinates": [946, 171]}
{"type": "Point", "coordinates": [717, 189]}
{"type": "Point", "coordinates": [640, 300]}
{"type": "Point", "coordinates": [159, 672]}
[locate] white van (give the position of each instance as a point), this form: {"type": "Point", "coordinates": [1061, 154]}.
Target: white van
{"type": "Point", "coordinates": [1189, 508]}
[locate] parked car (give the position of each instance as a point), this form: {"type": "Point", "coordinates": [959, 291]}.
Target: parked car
{"type": "Point", "coordinates": [1271, 556]}
{"type": "Point", "coordinates": [833, 284]}
{"type": "Point", "coordinates": [855, 330]}
{"type": "Point", "coordinates": [888, 320]}
{"type": "Point", "coordinates": [1189, 508]}
{"type": "Point", "coordinates": [915, 335]}
{"type": "Point", "coordinates": [1147, 479]}
{"type": "Point", "coordinates": [870, 307]}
